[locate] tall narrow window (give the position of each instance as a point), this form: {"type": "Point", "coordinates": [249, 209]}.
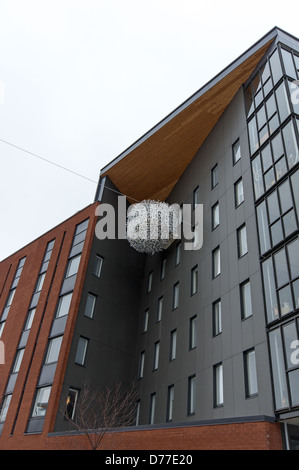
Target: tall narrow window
{"type": "Point", "coordinates": [214, 176]}
{"type": "Point", "coordinates": [64, 305]}
{"type": "Point", "coordinates": [81, 351]}
{"type": "Point", "coordinates": [236, 152]}
{"type": "Point", "coordinates": [250, 373]}
{"type": "Point", "coordinates": [149, 282]}
{"type": "Point", "coordinates": [218, 385]}
{"type": "Point", "coordinates": [191, 394]}
{"type": "Point", "coordinates": [170, 402]}
{"type": "Point", "coordinates": [176, 292]}
{"type": "Point", "coordinates": [163, 269]}
{"type": "Point", "coordinates": [4, 408]}
{"type": "Point", "coordinates": [73, 266]}
{"type": "Point", "coordinates": [152, 408]}
{"type": "Point", "coordinates": [215, 215]}
{"type": "Point", "coordinates": [194, 280]}
{"type": "Point", "coordinates": [216, 262]}
{"type": "Point", "coordinates": [145, 320]}
{"type": "Point", "coordinates": [159, 309]}
{"type": "Point", "coordinates": [40, 282]}
{"type": "Point", "coordinates": [245, 294]}
{"type": "Point", "coordinates": [137, 413]}
{"type": "Point", "coordinates": [71, 403]}
{"type": "Point", "coordinates": [178, 253]}
{"type": "Point", "coordinates": [192, 332]}
{"type": "Point", "coordinates": [141, 365]}
{"type": "Point", "coordinates": [173, 341]}
{"type": "Point", "coordinates": [18, 360]}
{"type": "Point", "coordinates": [98, 265]}
{"type": "Point", "coordinates": [156, 355]}
{"type": "Point", "coordinates": [242, 241]}
{"type": "Point", "coordinates": [239, 192]}
{"type": "Point", "coordinates": [90, 305]}
{"type": "Point", "coordinates": [217, 319]}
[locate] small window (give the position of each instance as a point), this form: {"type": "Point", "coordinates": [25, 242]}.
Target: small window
{"type": "Point", "coordinates": [10, 297]}
{"type": "Point", "coordinates": [173, 341]}
{"type": "Point", "coordinates": [192, 332]}
{"type": "Point", "coordinates": [18, 360]}
{"type": "Point", "coordinates": [40, 282]}
{"type": "Point", "coordinates": [64, 305]}
{"type": "Point", "coordinates": [236, 152]}
{"type": "Point", "coordinates": [214, 176]}
{"type": "Point", "coordinates": [81, 351]}
{"type": "Point", "coordinates": [250, 373]}
{"type": "Point", "coordinates": [141, 365]}
{"type": "Point", "coordinates": [217, 318]}
{"type": "Point", "coordinates": [90, 305]}
{"type": "Point", "coordinates": [216, 262]}
{"type": "Point", "coordinates": [149, 282]}
{"type": "Point", "coordinates": [137, 413]}
{"type": "Point", "coordinates": [239, 192]}
{"type": "Point", "coordinates": [53, 350]}
{"type": "Point", "coordinates": [218, 385]}
{"type": "Point", "coordinates": [4, 408]}
{"type": "Point", "coordinates": [194, 280]}
{"type": "Point", "coordinates": [73, 266]}
{"type": "Point", "coordinates": [145, 320]}
{"type": "Point", "coordinates": [178, 253]}
{"type": "Point", "coordinates": [29, 319]}
{"type": "Point", "coordinates": [195, 197]}
{"type": "Point", "coordinates": [242, 241]}
{"type": "Point", "coordinates": [159, 309]}
{"type": "Point", "coordinates": [152, 408]}
{"type": "Point", "coordinates": [176, 293]}
{"type": "Point", "coordinates": [71, 403]}
{"type": "Point", "coordinates": [98, 265]}
{"type": "Point", "coordinates": [163, 269]}
{"type": "Point", "coordinates": [215, 215]}
{"type": "Point", "coordinates": [41, 402]}
{"type": "Point", "coordinates": [156, 355]}
{"type": "Point", "coordinates": [170, 402]}
{"type": "Point", "coordinates": [245, 294]}
{"type": "Point", "coordinates": [191, 394]}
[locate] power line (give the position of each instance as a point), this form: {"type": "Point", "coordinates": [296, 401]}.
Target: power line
{"type": "Point", "coordinates": [48, 161]}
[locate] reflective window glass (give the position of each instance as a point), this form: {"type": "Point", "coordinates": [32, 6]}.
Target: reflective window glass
{"type": "Point", "coordinates": [277, 146]}
{"type": "Point", "coordinates": [278, 370]}
{"type": "Point", "coordinates": [285, 300]}
{"type": "Point", "coordinates": [289, 335]}
{"type": "Point", "coordinates": [257, 177]}
{"type": "Point", "coordinates": [285, 196]}
{"type": "Point", "coordinates": [290, 144]}
{"type": "Point", "coordinates": [288, 63]}
{"type": "Point", "coordinates": [275, 66]}
{"type": "Point", "coordinates": [293, 254]}
{"type": "Point", "coordinates": [283, 103]}
{"type": "Point", "coordinates": [281, 268]}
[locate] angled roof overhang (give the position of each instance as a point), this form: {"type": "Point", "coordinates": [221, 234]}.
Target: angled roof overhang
{"type": "Point", "coordinates": [150, 167]}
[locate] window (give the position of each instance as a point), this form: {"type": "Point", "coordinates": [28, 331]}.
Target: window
{"type": "Point", "coordinates": [41, 402]}
{"type": "Point", "coordinates": [246, 306]}
{"type": "Point", "coordinates": [90, 305]}
{"type": "Point", "coordinates": [29, 319]}
{"type": "Point", "coordinates": [18, 360]}
{"type": "Point", "coordinates": [191, 394]}
{"type": "Point", "coordinates": [81, 351]}
{"type": "Point", "coordinates": [71, 403]}
{"type": "Point", "coordinates": [163, 269]}
{"type": "Point", "coordinates": [149, 282]}
{"type": "Point", "coordinates": [239, 192]}
{"type": "Point", "coordinates": [215, 215]}
{"type": "Point", "coordinates": [278, 370]}
{"type": "Point", "coordinates": [53, 350]}
{"type": "Point", "coordinates": [173, 341]}
{"type": "Point", "coordinates": [176, 292]}
{"type": "Point", "coordinates": [216, 262]}
{"type": "Point", "coordinates": [40, 282]}
{"type": "Point", "coordinates": [217, 319]}
{"type": "Point", "coordinates": [159, 309]}
{"type": "Point", "coordinates": [170, 402]}
{"type": "Point", "coordinates": [64, 305]}
{"type": "Point", "coordinates": [145, 320]}
{"type": "Point", "coordinates": [194, 280]}
{"type": "Point", "coordinates": [10, 297]}
{"type": "Point", "coordinates": [195, 197]}
{"type": "Point", "coordinates": [214, 176]}
{"type": "Point", "coordinates": [236, 152]}
{"type": "Point", "coordinates": [178, 253]}
{"type": "Point", "coordinates": [98, 265]}
{"type": "Point", "coordinates": [156, 355]}
{"type": "Point", "coordinates": [137, 413]}
{"type": "Point", "coordinates": [218, 385]}
{"type": "Point", "coordinates": [192, 332]}
{"type": "Point", "coordinates": [73, 266]}
{"type": "Point", "coordinates": [242, 241]}
{"type": "Point", "coordinates": [152, 408]}
{"type": "Point", "coordinates": [250, 373]}
{"type": "Point", "coordinates": [4, 408]}
{"type": "Point", "coordinates": [141, 365]}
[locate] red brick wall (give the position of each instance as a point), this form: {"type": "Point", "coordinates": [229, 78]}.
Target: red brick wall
{"type": "Point", "coordinates": [39, 331]}
{"type": "Point", "coordinates": [237, 436]}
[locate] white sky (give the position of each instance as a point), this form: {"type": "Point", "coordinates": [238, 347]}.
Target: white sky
{"type": "Point", "coordinates": [80, 81]}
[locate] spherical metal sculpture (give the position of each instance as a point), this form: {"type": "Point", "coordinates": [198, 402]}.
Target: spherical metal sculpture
{"type": "Point", "coordinates": [152, 225]}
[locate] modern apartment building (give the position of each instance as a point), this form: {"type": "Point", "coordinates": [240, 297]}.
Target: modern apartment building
{"type": "Point", "coordinates": [211, 335]}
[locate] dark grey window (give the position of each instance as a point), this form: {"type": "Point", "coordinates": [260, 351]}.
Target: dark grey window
{"type": "Point", "coordinates": [216, 262]}
{"type": "Point", "coordinates": [215, 215]}
{"type": "Point", "coordinates": [81, 351]}
{"type": "Point", "coordinates": [214, 176]}
{"type": "Point", "coordinates": [149, 282]}
{"type": "Point", "coordinates": [156, 355]}
{"type": "Point", "coordinates": [90, 305]}
{"type": "Point", "coordinates": [71, 403]}
{"type": "Point", "coordinates": [173, 342]}
{"type": "Point", "coordinates": [170, 403]}
{"type": "Point", "coordinates": [217, 318]}
{"type": "Point", "coordinates": [152, 408]}
{"type": "Point", "coordinates": [236, 152]}
{"type": "Point", "coordinates": [195, 197]}
{"type": "Point", "coordinates": [177, 254]}
{"type": "Point", "coordinates": [98, 266]}
{"type": "Point", "coordinates": [191, 394]}
{"type": "Point", "coordinates": [218, 385]}
{"type": "Point", "coordinates": [145, 320]}
{"type": "Point", "coordinates": [251, 386]}
{"type": "Point", "coordinates": [141, 365]}
{"type": "Point", "coordinates": [194, 280]}
{"type": "Point", "coordinates": [159, 309]}
{"type": "Point", "coordinates": [242, 241]}
{"type": "Point", "coordinates": [239, 192]}
{"type": "Point", "coordinates": [193, 332]}
{"type": "Point", "coordinates": [246, 305]}
{"type": "Point", "coordinates": [176, 294]}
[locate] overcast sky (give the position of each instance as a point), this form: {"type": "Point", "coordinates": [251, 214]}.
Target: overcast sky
{"type": "Point", "coordinates": [82, 80]}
